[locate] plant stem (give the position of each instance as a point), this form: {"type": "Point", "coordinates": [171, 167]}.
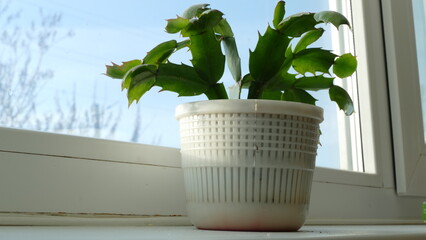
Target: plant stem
{"type": "Point", "coordinates": [255, 90]}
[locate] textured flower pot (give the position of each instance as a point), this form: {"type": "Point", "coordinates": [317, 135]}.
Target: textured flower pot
{"type": "Point", "coordinates": [248, 164]}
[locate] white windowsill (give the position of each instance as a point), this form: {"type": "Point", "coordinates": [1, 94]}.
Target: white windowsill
{"type": "Point", "coordinates": [406, 232]}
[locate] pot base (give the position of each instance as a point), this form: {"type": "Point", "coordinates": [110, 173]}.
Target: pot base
{"type": "Point", "coordinates": [247, 216]}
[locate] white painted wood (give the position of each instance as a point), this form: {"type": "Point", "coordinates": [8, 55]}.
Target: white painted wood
{"type": "Point", "coordinates": [345, 177]}
{"type": "Point", "coordinates": [334, 203]}
{"type": "Point", "coordinates": [407, 125]}
{"type": "Point", "coordinates": [59, 186]}
{"type": "Point", "coordinates": [373, 96]}
{"type": "Point", "coordinates": [33, 183]}
{"type": "Point", "coordinates": [52, 144]}
{"type": "Point", "coordinates": [374, 115]}
{"type": "Point", "coordinates": [190, 233]}
{"type": "Point", "coordinates": [67, 219]}
{"type": "Point", "coordinates": [374, 154]}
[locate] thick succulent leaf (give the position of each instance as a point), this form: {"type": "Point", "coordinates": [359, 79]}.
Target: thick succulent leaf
{"type": "Point", "coordinates": [232, 57]}
{"type": "Point", "coordinates": [298, 95]}
{"type": "Point", "coordinates": [141, 80]}
{"type": "Point", "coordinates": [119, 71]}
{"type": "Point", "coordinates": [176, 25]}
{"type": "Point", "coordinates": [267, 60]}
{"type": "Point", "coordinates": [182, 44]}
{"type": "Point", "coordinates": [138, 71]}
{"type": "Point", "coordinates": [282, 81]}
{"type": "Point", "coordinates": [332, 17]}
{"type": "Point", "coordinates": [268, 56]}
{"type": "Point", "coordinates": [313, 60]}
{"type": "Point", "coordinates": [231, 52]}
{"type": "Point", "coordinates": [279, 13]}
{"type": "Point", "coordinates": [308, 38]}
{"type": "Point", "coordinates": [207, 21]}
{"type": "Point", "coordinates": [342, 98]}
{"type": "Point", "coordinates": [288, 60]}
{"type": "Point", "coordinates": [314, 83]}
{"type": "Point", "coordinates": [195, 10]}
{"type": "Point", "coordinates": [216, 91]}
{"type": "Point", "coordinates": [181, 79]}
{"type": "Point", "coordinates": [345, 65]}
{"type": "Point", "coordinates": [160, 53]}
{"type": "Point", "coordinates": [246, 81]}
{"type": "Point", "coordinates": [208, 60]}
{"type": "Point", "coordinates": [297, 24]}
{"type": "Point", "coordinates": [235, 91]}
{"type": "Point", "coordinates": [272, 95]}
{"type": "Point", "coordinates": [224, 29]}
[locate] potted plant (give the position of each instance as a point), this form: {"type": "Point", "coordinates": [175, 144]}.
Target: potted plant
{"type": "Point", "coordinates": [248, 163]}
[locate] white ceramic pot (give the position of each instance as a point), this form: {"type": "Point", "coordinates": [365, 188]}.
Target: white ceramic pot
{"type": "Point", "coordinates": [248, 164]}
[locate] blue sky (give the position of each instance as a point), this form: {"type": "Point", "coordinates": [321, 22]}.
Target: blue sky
{"type": "Point", "coordinates": [105, 31]}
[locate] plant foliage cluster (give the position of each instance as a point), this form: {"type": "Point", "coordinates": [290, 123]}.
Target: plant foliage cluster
{"type": "Point", "coordinates": [281, 67]}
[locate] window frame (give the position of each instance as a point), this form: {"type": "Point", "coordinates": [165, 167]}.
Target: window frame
{"type": "Point", "coordinates": [82, 164]}
{"type": "Point", "coordinates": [374, 114]}
{"type": "Point", "coordinates": [407, 125]}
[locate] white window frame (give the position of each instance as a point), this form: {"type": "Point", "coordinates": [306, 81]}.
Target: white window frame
{"type": "Point", "coordinates": [404, 86]}
{"type": "Point", "coordinates": [53, 174]}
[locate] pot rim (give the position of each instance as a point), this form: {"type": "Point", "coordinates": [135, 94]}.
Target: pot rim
{"type": "Point", "coordinates": [249, 106]}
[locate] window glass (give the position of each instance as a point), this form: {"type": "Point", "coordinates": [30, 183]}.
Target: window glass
{"type": "Point", "coordinates": [420, 32]}
{"type": "Point", "coordinates": [54, 55]}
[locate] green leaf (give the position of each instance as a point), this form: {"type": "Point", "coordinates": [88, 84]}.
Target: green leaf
{"type": "Point", "coordinates": [118, 71]}
{"type": "Point", "coordinates": [282, 81]}
{"type": "Point", "coordinates": [298, 95]}
{"type": "Point", "coordinates": [279, 13]}
{"type": "Point", "coordinates": [308, 38]}
{"type": "Point", "coordinates": [216, 91]}
{"type": "Point", "coordinates": [297, 24]}
{"type": "Point", "coordinates": [313, 60]}
{"type": "Point", "coordinates": [266, 60]}
{"type": "Point", "coordinates": [345, 65]}
{"type": "Point", "coordinates": [229, 45]}
{"type": "Point", "coordinates": [140, 71]}
{"type": "Point", "coordinates": [314, 83]}
{"type": "Point", "coordinates": [182, 44]}
{"type": "Point", "coordinates": [176, 25]}
{"type": "Point", "coordinates": [332, 17]}
{"type": "Point", "coordinates": [142, 79]}
{"type": "Point", "coordinates": [208, 60]}
{"type": "Point", "coordinates": [224, 29]}
{"type": "Point", "coordinates": [181, 79]}
{"type": "Point", "coordinates": [342, 98]}
{"type": "Point", "coordinates": [160, 53]}
{"type": "Point", "coordinates": [288, 60]}
{"type": "Point", "coordinates": [271, 95]}
{"type": "Point", "coordinates": [268, 56]}
{"type": "Point", "coordinates": [246, 81]}
{"type": "Point", "coordinates": [232, 57]}
{"type": "Point", "coordinates": [207, 21]}
{"type": "Point", "coordinates": [195, 10]}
